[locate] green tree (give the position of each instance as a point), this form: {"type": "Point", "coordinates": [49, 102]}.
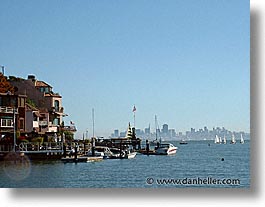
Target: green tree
{"type": "Point", "coordinates": [69, 136]}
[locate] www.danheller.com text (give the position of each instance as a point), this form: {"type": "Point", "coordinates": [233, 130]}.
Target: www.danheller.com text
{"type": "Point", "coordinates": [193, 181]}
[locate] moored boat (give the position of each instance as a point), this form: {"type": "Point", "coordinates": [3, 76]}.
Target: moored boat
{"type": "Point", "coordinates": [183, 142]}
{"type": "Point", "coordinates": [165, 149]}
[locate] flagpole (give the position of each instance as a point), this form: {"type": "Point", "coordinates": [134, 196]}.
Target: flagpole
{"type": "Point", "coordinates": [134, 110]}
{"type": "Point", "coordinates": [134, 118]}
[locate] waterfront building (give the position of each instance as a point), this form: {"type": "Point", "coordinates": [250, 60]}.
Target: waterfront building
{"type": "Point", "coordinates": [43, 110]}
{"type": "Point", "coordinates": [12, 110]}
{"type": "Point", "coordinates": [44, 106]}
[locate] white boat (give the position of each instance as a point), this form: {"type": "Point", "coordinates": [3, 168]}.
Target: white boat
{"type": "Point", "coordinates": [233, 140]}
{"type": "Point", "coordinates": [121, 154]}
{"type": "Point", "coordinates": [130, 155]}
{"type": "Point", "coordinates": [241, 139]}
{"type": "Point", "coordinates": [217, 140]}
{"type": "Point", "coordinates": [224, 140]}
{"type": "Point", "coordinates": [183, 141]}
{"type": "Point", "coordinates": [165, 149]}
{"type": "Point", "coordinates": [96, 154]}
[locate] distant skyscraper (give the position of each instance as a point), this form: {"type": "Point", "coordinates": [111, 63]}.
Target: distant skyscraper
{"type": "Point", "coordinates": [147, 130]}
{"type": "Point", "coordinates": [116, 133]}
{"type": "Point", "coordinates": [165, 129]}
{"type": "Point", "coordinates": [171, 133]}
{"type": "Point", "coordinates": [205, 129]}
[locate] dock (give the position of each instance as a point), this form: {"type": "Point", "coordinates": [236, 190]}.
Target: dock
{"type": "Point", "coordinates": [81, 159]}
{"type": "Point", "coordinates": [35, 150]}
{"type": "Point", "coordinates": [147, 152]}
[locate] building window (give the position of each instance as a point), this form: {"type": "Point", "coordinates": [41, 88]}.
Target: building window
{"type": "Point", "coordinates": [56, 105]}
{"type": "Point", "coordinates": [56, 121]}
{"type": "Point", "coordinates": [6, 123]}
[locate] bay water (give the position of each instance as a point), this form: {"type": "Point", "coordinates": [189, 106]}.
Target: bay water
{"type": "Point", "coordinates": [198, 164]}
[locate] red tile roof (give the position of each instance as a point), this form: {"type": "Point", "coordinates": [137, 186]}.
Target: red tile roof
{"type": "Point", "coordinates": [42, 84]}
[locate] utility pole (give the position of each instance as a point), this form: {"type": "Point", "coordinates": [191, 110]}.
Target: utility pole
{"type": "Point", "coordinates": [14, 125]}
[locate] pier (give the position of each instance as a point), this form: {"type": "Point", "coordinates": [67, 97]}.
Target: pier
{"type": "Point", "coordinates": [35, 150]}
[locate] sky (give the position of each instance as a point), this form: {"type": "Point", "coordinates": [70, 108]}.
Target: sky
{"type": "Point", "coordinates": [188, 62]}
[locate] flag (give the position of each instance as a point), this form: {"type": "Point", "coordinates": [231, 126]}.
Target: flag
{"type": "Point", "coordinates": [134, 109]}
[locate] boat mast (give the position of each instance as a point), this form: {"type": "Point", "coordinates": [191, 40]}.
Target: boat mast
{"type": "Point", "coordinates": [93, 123]}
{"type": "Point", "coordinates": [156, 126]}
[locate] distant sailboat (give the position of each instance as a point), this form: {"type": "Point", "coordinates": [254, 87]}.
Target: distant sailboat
{"type": "Point", "coordinates": [233, 140]}
{"type": "Point", "coordinates": [241, 139]}
{"type": "Point", "coordinates": [220, 140]}
{"type": "Point", "coordinates": [217, 140]}
{"type": "Point", "coordinates": [224, 141]}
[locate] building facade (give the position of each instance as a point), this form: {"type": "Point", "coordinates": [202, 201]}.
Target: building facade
{"type": "Point", "coordinates": [44, 107]}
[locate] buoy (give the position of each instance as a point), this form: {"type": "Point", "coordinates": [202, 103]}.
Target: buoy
{"type": "Point", "coordinates": [223, 159]}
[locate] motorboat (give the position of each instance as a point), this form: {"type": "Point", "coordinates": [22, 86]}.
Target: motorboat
{"type": "Point", "coordinates": [165, 149]}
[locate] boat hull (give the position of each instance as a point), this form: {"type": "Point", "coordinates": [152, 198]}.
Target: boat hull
{"type": "Point", "coordinates": [130, 155]}
{"type": "Point", "coordinates": [169, 151]}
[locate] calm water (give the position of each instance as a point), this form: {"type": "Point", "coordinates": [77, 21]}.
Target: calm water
{"type": "Point", "coordinates": [196, 160]}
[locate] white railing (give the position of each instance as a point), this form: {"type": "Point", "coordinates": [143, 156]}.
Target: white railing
{"type": "Point", "coordinates": [40, 147]}
{"type": "Point", "coordinates": [5, 109]}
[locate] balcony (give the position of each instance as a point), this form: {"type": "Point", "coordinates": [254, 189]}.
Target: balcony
{"type": "Point", "coordinates": [6, 109]}
{"type": "Point", "coordinates": [69, 128]}
{"type": "Point", "coordinates": [59, 111]}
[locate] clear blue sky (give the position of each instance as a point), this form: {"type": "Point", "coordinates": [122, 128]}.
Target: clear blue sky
{"type": "Point", "coordinates": [186, 61]}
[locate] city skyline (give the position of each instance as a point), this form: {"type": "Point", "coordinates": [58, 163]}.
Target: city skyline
{"type": "Point", "coordinates": [186, 63]}
{"type": "Point", "coordinates": [167, 133]}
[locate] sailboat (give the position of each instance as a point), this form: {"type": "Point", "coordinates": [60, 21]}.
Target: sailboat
{"type": "Point", "coordinates": [224, 141]}
{"type": "Point", "coordinates": [241, 139]}
{"type": "Point", "coordinates": [233, 140]}
{"type": "Point", "coordinates": [164, 148]}
{"type": "Point", "coordinates": [155, 141]}
{"type": "Point", "coordinates": [217, 140]}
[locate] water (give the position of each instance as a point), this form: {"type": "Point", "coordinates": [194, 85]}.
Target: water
{"type": "Point", "coordinates": [196, 160]}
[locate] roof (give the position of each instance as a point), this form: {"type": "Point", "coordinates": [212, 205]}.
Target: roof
{"type": "Point", "coordinates": [42, 84]}
{"type": "Point", "coordinates": [52, 95]}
